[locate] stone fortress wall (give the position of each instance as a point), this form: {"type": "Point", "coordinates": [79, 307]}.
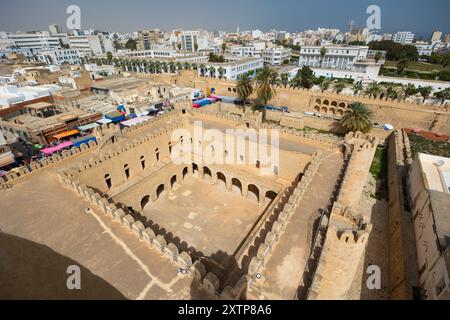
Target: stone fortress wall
{"type": "Point", "coordinates": [400, 114]}
{"type": "Point", "coordinates": [346, 232]}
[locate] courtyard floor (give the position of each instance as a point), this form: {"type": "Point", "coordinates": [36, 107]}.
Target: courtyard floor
{"type": "Point", "coordinates": [205, 216]}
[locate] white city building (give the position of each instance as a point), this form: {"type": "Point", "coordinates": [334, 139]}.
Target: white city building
{"type": "Point", "coordinates": [91, 44]}
{"type": "Point", "coordinates": [35, 41]}
{"type": "Point", "coordinates": [160, 53]}
{"type": "Point", "coordinates": [252, 50]}
{"type": "Point", "coordinates": [403, 37]}
{"type": "Point", "coordinates": [189, 40]}
{"type": "Point", "coordinates": [424, 49]}
{"type": "Point", "coordinates": [340, 62]}
{"type": "Point", "coordinates": [276, 56]}
{"type": "Point", "coordinates": [232, 70]}
{"type": "Point", "coordinates": [59, 56]}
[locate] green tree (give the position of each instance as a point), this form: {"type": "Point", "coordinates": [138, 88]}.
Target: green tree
{"type": "Point", "coordinates": [339, 86]}
{"type": "Point", "coordinates": [284, 79]}
{"type": "Point", "coordinates": [402, 65]}
{"type": "Point", "coordinates": [357, 88]}
{"type": "Point", "coordinates": [109, 57]}
{"type": "Point", "coordinates": [425, 92]}
{"type": "Point", "coordinates": [409, 90]}
{"type": "Point", "coordinates": [357, 118]}
{"type": "Point", "coordinates": [212, 72]}
{"type": "Point", "coordinates": [131, 44]}
{"type": "Point", "coordinates": [323, 52]}
{"type": "Point", "coordinates": [264, 89]}
{"type": "Point", "coordinates": [373, 89]}
{"type": "Point", "coordinates": [306, 77]}
{"type": "Point", "coordinates": [325, 85]}
{"type": "Point", "coordinates": [221, 72]}
{"type": "Point", "coordinates": [202, 70]}
{"type": "Point", "coordinates": [378, 56]}
{"type": "Point", "coordinates": [443, 95]}
{"type": "Point", "coordinates": [244, 88]}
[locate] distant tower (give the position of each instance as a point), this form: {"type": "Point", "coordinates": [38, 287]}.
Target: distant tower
{"type": "Point", "coordinates": [237, 30]}
{"type": "Point", "coordinates": [350, 30]}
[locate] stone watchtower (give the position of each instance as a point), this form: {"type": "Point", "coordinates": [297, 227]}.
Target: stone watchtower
{"type": "Point", "coordinates": [348, 230]}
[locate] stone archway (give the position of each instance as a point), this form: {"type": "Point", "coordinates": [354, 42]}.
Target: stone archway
{"type": "Point", "coordinates": [270, 196]}
{"type": "Point", "coordinates": [221, 181]}
{"type": "Point", "coordinates": [160, 190]}
{"type": "Point", "coordinates": [324, 110]}
{"type": "Point", "coordinates": [173, 181]}
{"type": "Point", "coordinates": [317, 108]}
{"type": "Point", "coordinates": [253, 193]}
{"type": "Point", "coordinates": [185, 172]}
{"type": "Point", "coordinates": [144, 201]}
{"type": "Point", "coordinates": [195, 169]}
{"type": "Point", "coordinates": [236, 186]}
{"type": "Point", "coordinates": [207, 174]}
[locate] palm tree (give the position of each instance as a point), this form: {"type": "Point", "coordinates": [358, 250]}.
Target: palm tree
{"type": "Point", "coordinates": [357, 88]}
{"type": "Point", "coordinates": [306, 76]}
{"type": "Point", "coordinates": [390, 91]}
{"type": "Point", "coordinates": [425, 92]}
{"type": "Point", "coordinates": [373, 89]}
{"type": "Point", "coordinates": [264, 89]}
{"type": "Point", "coordinates": [165, 67]}
{"type": "Point", "coordinates": [187, 66]}
{"type": "Point", "coordinates": [274, 79]}
{"type": "Point", "coordinates": [244, 88]}
{"type": "Point", "coordinates": [357, 118]}
{"type": "Point", "coordinates": [284, 77]}
{"type": "Point", "coordinates": [179, 66]}
{"type": "Point", "coordinates": [194, 66]}
{"type": "Point", "coordinates": [402, 65]}
{"type": "Point", "coordinates": [324, 85]}
{"type": "Point", "coordinates": [409, 90]}
{"type": "Point", "coordinates": [221, 72]}
{"type": "Point", "coordinates": [339, 86]}
{"type": "Point", "coordinates": [212, 72]}
{"type": "Point", "coordinates": [171, 67]}
{"type": "Point", "coordinates": [202, 70]}
{"type": "Point", "coordinates": [323, 52]}
{"type": "Point", "coordinates": [158, 67]}
{"type": "Point", "coordinates": [443, 95]}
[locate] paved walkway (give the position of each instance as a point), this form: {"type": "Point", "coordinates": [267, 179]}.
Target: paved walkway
{"type": "Point", "coordinates": [37, 246]}
{"type": "Point", "coordinates": [284, 269]}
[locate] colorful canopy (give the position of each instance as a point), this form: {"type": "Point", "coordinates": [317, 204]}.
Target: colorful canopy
{"type": "Point", "coordinates": [66, 134]}
{"type": "Point", "coordinates": [89, 126]}
{"type": "Point", "coordinates": [51, 150]}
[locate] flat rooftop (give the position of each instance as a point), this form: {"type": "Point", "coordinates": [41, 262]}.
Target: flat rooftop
{"type": "Point", "coordinates": [118, 84]}
{"type": "Point", "coordinates": [436, 172]}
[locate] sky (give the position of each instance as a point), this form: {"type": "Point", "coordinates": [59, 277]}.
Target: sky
{"type": "Point", "coordinates": [125, 16]}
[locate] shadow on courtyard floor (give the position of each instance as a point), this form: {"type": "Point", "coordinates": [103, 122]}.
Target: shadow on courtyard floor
{"type": "Point", "coordinates": [32, 271]}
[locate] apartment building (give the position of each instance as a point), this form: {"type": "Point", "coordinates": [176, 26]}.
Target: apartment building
{"type": "Point", "coordinates": [251, 50]}
{"type": "Point", "coordinates": [276, 56]}
{"type": "Point", "coordinates": [403, 37]}
{"type": "Point", "coordinates": [231, 70]}
{"type": "Point", "coordinates": [148, 38]}
{"type": "Point", "coordinates": [429, 196]}
{"type": "Point", "coordinates": [189, 41]}
{"type": "Point", "coordinates": [34, 41]}
{"type": "Point", "coordinates": [89, 44]}
{"type": "Point", "coordinates": [339, 62]}
{"type": "Point", "coordinates": [59, 56]}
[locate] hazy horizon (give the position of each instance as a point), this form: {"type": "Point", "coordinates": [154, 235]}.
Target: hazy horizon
{"type": "Point", "coordinates": [291, 15]}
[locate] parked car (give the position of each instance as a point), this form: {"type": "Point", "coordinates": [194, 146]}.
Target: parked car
{"type": "Point", "coordinates": [283, 109]}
